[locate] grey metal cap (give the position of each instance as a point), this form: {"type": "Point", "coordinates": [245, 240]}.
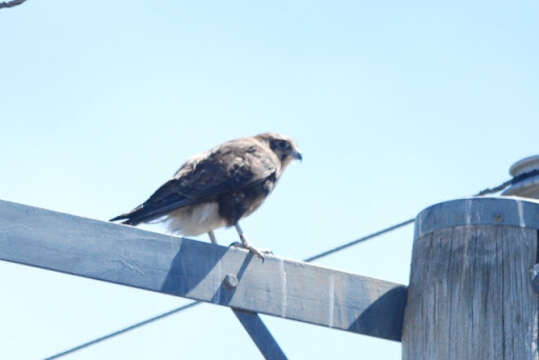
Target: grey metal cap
{"type": "Point", "coordinates": [528, 188]}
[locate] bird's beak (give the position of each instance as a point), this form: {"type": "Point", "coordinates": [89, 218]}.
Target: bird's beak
{"type": "Point", "coordinates": [297, 155]}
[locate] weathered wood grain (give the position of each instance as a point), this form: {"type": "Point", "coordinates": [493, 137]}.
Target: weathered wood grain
{"type": "Point", "coordinates": [470, 294]}
{"type": "Point", "coordinates": [197, 270]}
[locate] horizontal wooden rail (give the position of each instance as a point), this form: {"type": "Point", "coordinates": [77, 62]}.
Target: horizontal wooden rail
{"type": "Point", "coordinates": [200, 271]}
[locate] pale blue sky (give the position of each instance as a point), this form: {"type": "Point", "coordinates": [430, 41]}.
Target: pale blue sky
{"type": "Point", "coordinates": [395, 106]}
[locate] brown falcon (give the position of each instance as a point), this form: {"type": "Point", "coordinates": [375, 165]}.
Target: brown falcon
{"type": "Point", "coordinates": [219, 187]}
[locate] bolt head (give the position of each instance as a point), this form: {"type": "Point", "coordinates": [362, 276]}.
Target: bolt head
{"type": "Point", "coordinates": [231, 281]}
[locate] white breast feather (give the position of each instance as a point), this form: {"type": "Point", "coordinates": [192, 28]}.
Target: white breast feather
{"type": "Point", "coordinates": [195, 220]}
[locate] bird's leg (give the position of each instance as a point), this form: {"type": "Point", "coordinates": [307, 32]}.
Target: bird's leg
{"type": "Point", "coordinates": [213, 239]}
{"type": "Point", "coordinates": [245, 244]}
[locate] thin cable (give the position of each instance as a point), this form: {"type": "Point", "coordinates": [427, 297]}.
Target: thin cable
{"type": "Point", "coordinates": [487, 191]}
{"type": "Point", "coordinates": [124, 330]}
{"type": "Point", "coordinates": [512, 181]}
{"type": "Point", "coordinates": [357, 241]}
{"type": "Point", "coordinates": [12, 3]}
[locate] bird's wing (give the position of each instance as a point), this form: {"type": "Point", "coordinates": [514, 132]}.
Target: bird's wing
{"type": "Point", "coordinates": [233, 166]}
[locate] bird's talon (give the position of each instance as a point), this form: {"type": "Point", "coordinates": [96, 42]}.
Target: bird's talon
{"type": "Point", "coordinates": [255, 251]}
{"type": "Point", "coordinates": [258, 252]}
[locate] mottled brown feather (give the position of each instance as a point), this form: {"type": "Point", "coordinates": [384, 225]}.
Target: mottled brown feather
{"type": "Point", "coordinates": [234, 174]}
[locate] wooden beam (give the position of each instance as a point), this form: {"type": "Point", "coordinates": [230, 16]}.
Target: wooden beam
{"type": "Point", "coordinates": [200, 271]}
{"type": "Point", "coordinates": [260, 335]}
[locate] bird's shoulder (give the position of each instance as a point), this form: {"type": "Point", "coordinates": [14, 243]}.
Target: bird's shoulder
{"type": "Point", "coordinates": [234, 164]}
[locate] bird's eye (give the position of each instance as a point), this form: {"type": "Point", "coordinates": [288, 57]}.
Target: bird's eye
{"type": "Point", "coordinates": [280, 145]}
{"type": "Point", "coordinates": [284, 145]}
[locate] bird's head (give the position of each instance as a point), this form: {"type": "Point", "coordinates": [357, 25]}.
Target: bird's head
{"type": "Point", "coordinates": [284, 147]}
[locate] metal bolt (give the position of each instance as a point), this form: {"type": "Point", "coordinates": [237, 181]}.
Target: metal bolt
{"type": "Point", "coordinates": [231, 281]}
{"type": "Point", "coordinates": [534, 277]}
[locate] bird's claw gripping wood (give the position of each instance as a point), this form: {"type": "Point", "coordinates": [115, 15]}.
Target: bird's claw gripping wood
{"type": "Point", "coordinates": [245, 244]}
{"type": "Point", "coordinates": [258, 252]}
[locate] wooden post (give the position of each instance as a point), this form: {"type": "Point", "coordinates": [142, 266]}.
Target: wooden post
{"type": "Point", "coordinates": [470, 294]}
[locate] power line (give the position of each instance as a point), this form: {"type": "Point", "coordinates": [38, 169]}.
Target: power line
{"type": "Point", "coordinates": [12, 3]}
{"type": "Point", "coordinates": [512, 181]}
{"type": "Point", "coordinates": [486, 191]}
{"type": "Point", "coordinates": [318, 256]}
{"type": "Point", "coordinates": [124, 330]}
{"type": "Point", "coordinates": [357, 241]}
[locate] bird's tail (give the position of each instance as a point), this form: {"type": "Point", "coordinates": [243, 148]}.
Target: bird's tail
{"type": "Point", "coordinates": [131, 218]}
{"type": "Point", "coordinates": [147, 212]}
{"type": "Point", "coordinates": [164, 200]}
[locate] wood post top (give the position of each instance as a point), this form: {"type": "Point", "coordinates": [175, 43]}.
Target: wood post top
{"type": "Point", "coordinates": [500, 210]}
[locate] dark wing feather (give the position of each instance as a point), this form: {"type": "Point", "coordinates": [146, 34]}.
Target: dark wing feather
{"type": "Point", "coordinates": [233, 166]}
{"type": "Point", "coordinates": [161, 202]}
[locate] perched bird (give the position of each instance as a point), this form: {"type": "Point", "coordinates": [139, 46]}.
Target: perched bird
{"type": "Point", "coordinates": [219, 187]}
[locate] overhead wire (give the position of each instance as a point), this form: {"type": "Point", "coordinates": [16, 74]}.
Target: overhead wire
{"type": "Point", "coordinates": [512, 181]}
{"type": "Point", "coordinates": [122, 331]}
{"type": "Point", "coordinates": [484, 192]}
{"type": "Point", "coordinates": [318, 256]}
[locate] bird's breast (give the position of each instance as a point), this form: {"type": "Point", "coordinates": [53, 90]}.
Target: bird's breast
{"type": "Point", "coordinates": [238, 204]}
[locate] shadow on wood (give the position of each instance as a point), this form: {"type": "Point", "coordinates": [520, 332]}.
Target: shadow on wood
{"type": "Point", "coordinates": [188, 270]}
{"type": "Point", "coordinates": [384, 317]}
